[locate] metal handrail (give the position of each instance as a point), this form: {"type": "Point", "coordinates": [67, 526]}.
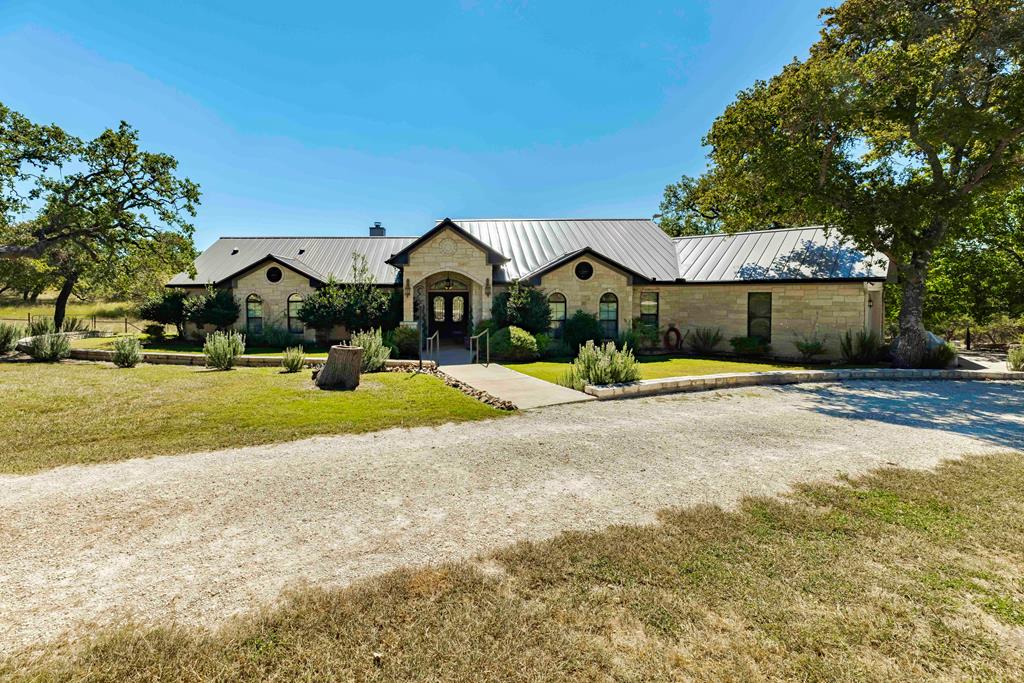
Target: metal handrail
{"type": "Point", "coordinates": [476, 338]}
{"type": "Point", "coordinates": [435, 340]}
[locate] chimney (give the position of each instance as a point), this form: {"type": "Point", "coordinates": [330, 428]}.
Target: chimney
{"type": "Point", "coordinates": [376, 230]}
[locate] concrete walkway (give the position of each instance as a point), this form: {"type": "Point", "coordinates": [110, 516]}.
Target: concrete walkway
{"type": "Point", "coordinates": [524, 391]}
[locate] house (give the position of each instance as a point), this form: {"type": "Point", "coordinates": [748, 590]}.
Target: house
{"type": "Point", "coordinates": [776, 284]}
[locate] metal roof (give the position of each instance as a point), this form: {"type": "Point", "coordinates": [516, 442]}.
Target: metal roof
{"type": "Point", "coordinates": [531, 243]}
{"type": "Point", "coordinates": [811, 253]}
{"type": "Point", "coordinates": [329, 256]}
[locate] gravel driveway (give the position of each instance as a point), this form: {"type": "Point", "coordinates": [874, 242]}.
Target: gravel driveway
{"type": "Point", "coordinates": [201, 536]}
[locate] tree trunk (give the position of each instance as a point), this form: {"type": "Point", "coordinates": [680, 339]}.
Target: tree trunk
{"type": "Point", "coordinates": [911, 344]}
{"type": "Point", "coordinates": [61, 305]}
{"type": "Point", "coordinates": [341, 371]}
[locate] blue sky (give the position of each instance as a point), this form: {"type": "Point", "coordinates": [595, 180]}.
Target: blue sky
{"type": "Point", "coordinates": [319, 118]}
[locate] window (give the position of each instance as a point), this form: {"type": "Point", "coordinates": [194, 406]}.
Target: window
{"type": "Point", "coordinates": [253, 314]}
{"type": "Point", "coordinates": [759, 315]}
{"type": "Point", "coordinates": [458, 308]}
{"type": "Point", "coordinates": [439, 309]}
{"type": "Point", "coordinates": [584, 270]}
{"type": "Point", "coordinates": [295, 325]}
{"type": "Point", "coordinates": [649, 308]}
{"type": "Point", "coordinates": [556, 302]}
{"type": "Point", "coordinates": [608, 314]}
{"type": "Point", "coordinates": [274, 274]}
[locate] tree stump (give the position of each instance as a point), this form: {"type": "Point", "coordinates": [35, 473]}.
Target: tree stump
{"type": "Point", "coordinates": [341, 371]}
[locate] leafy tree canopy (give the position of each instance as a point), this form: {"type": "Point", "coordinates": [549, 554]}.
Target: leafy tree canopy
{"type": "Point", "coordinates": [522, 306]}
{"type": "Point", "coordinates": [358, 304]}
{"type": "Point", "coordinates": [215, 307]}
{"type": "Point", "coordinates": [904, 119]}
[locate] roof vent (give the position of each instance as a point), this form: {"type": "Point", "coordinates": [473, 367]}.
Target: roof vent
{"type": "Point", "coordinates": [234, 251]}
{"type": "Point", "coordinates": [377, 230]}
{"type": "Point", "coordinates": [301, 252]}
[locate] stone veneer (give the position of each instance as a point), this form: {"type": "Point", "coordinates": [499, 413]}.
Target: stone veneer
{"type": "Point", "coordinates": [797, 308]}
{"type": "Point", "coordinates": [585, 295]}
{"type": "Point", "coordinates": [449, 252]}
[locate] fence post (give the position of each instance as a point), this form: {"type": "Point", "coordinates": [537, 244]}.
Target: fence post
{"type": "Point", "coordinates": [126, 325]}
{"type": "Point", "coordinates": [29, 320]}
{"type": "Point", "coordinates": [94, 323]}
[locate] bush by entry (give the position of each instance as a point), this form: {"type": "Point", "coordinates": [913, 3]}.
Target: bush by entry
{"type": "Point", "coordinates": [85, 413]}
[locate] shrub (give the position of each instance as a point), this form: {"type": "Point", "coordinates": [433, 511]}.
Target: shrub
{"type": "Point", "coordinates": [1015, 359]}
{"type": "Point", "coordinates": [50, 347]}
{"type": "Point", "coordinates": [601, 365]}
{"type": "Point", "coordinates": [155, 332]}
{"type": "Point", "coordinates": [522, 306]}
{"type": "Point", "coordinates": [127, 352]}
{"type": "Point", "coordinates": [939, 357]}
{"type": "Point", "coordinates": [750, 346]}
{"type": "Point", "coordinates": [71, 324]}
{"type": "Point", "coordinates": [407, 341]}
{"type": "Point", "coordinates": [222, 348]}
{"type": "Point", "coordinates": [294, 359]}
{"type": "Point", "coordinates": [809, 348]}
{"type": "Point", "coordinates": [166, 308]}
{"type": "Point", "coordinates": [513, 343]}
{"type": "Point", "coordinates": [375, 351]}
{"type": "Point", "coordinates": [581, 328]}
{"type": "Point", "coordinates": [488, 324]}
{"type": "Point", "coordinates": [862, 347]}
{"type": "Point", "coordinates": [215, 307]}
{"type": "Point", "coordinates": [1001, 331]}
{"type": "Point", "coordinates": [40, 326]}
{"type": "Point", "coordinates": [543, 343]}
{"type": "Point", "coordinates": [9, 336]}
{"type": "Point", "coordinates": [705, 339]}
{"type": "Point", "coordinates": [273, 336]}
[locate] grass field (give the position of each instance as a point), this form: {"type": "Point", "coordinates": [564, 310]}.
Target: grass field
{"type": "Point", "coordinates": [72, 413]}
{"type": "Point", "coordinates": [654, 367]}
{"type": "Point", "coordinates": [904, 575]}
{"type": "Point", "coordinates": [107, 343]}
{"type": "Point", "coordinates": [16, 310]}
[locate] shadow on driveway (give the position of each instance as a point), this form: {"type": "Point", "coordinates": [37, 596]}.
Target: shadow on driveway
{"type": "Point", "coordinates": [991, 411]}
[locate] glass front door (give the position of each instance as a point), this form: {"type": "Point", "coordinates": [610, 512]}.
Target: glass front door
{"type": "Point", "coordinates": [449, 314]}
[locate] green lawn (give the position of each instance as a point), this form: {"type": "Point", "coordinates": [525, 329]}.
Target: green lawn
{"type": "Point", "coordinates": [170, 346]}
{"type": "Point", "coordinates": [903, 575]}
{"type": "Point", "coordinates": [72, 413]}
{"type": "Point", "coordinates": [655, 367]}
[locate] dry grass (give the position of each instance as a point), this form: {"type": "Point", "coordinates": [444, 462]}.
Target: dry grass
{"type": "Point", "coordinates": [903, 575]}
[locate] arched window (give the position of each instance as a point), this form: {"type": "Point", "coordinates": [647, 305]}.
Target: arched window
{"type": "Point", "coordinates": [295, 325]}
{"type": "Point", "coordinates": [253, 314]}
{"type": "Point", "coordinates": [556, 302]}
{"type": "Point", "coordinates": [608, 314]}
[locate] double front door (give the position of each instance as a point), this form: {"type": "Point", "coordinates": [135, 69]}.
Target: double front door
{"type": "Point", "coordinates": [449, 314]}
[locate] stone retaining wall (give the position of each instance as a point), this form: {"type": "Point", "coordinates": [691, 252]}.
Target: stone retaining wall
{"type": "Point", "coordinates": [671, 385]}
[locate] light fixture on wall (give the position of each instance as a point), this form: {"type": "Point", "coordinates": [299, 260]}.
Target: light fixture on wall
{"type": "Point", "coordinates": [871, 302]}
{"type": "Point", "coordinates": [408, 287]}
{"type": "Point", "coordinates": [487, 287]}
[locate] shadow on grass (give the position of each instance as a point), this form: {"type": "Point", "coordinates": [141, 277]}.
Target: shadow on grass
{"type": "Point", "coordinates": [990, 411]}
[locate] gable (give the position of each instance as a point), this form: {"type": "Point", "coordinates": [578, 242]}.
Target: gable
{"type": "Point", "coordinates": [447, 229]}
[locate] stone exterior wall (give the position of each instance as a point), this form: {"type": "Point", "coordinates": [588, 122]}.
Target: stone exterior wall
{"type": "Point", "coordinates": [796, 308]}
{"type": "Point", "coordinates": [274, 295]}
{"type": "Point", "coordinates": [585, 295]}
{"type": "Point", "coordinates": [450, 252]}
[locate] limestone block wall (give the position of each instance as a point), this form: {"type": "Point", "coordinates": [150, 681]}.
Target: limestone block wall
{"type": "Point", "coordinates": [797, 309]}
{"type": "Point", "coordinates": [274, 294]}
{"type": "Point", "coordinates": [449, 251]}
{"type": "Point", "coordinates": [585, 295]}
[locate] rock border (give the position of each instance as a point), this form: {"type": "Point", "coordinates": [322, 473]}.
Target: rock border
{"type": "Point", "coordinates": [482, 396]}
{"type": "Point", "coordinates": [673, 385]}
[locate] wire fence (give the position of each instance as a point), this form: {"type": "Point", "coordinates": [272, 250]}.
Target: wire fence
{"type": "Point", "coordinates": [122, 325]}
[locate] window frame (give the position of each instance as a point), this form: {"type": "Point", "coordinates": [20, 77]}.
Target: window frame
{"type": "Point", "coordinates": [650, 318]}
{"type": "Point", "coordinates": [250, 318]}
{"type": "Point", "coordinates": [751, 317]}
{"type": "Point", "coordinates": [295, 326]}
{"type": "Point", "coordinates": [558, 324]}
{"type": "Point", "coordinates": [610, 326]}
{"type": "Point", "coordinates": [274, 269]}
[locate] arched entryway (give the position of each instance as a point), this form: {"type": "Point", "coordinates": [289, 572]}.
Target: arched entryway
{"type": "Point", "coordinates": [449, 306]}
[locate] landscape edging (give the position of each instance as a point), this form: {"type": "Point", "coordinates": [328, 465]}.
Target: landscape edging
{"type": "Point", "coordinates": [672, 385]}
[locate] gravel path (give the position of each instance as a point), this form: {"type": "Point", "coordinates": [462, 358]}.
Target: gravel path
{"type": "Point", "coordinates": [201, 536]}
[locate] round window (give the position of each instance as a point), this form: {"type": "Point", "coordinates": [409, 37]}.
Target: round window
{"type": "Point", "coordinates": [274, 274]}
{"type": "Point", "coordinates": [584, 270]}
